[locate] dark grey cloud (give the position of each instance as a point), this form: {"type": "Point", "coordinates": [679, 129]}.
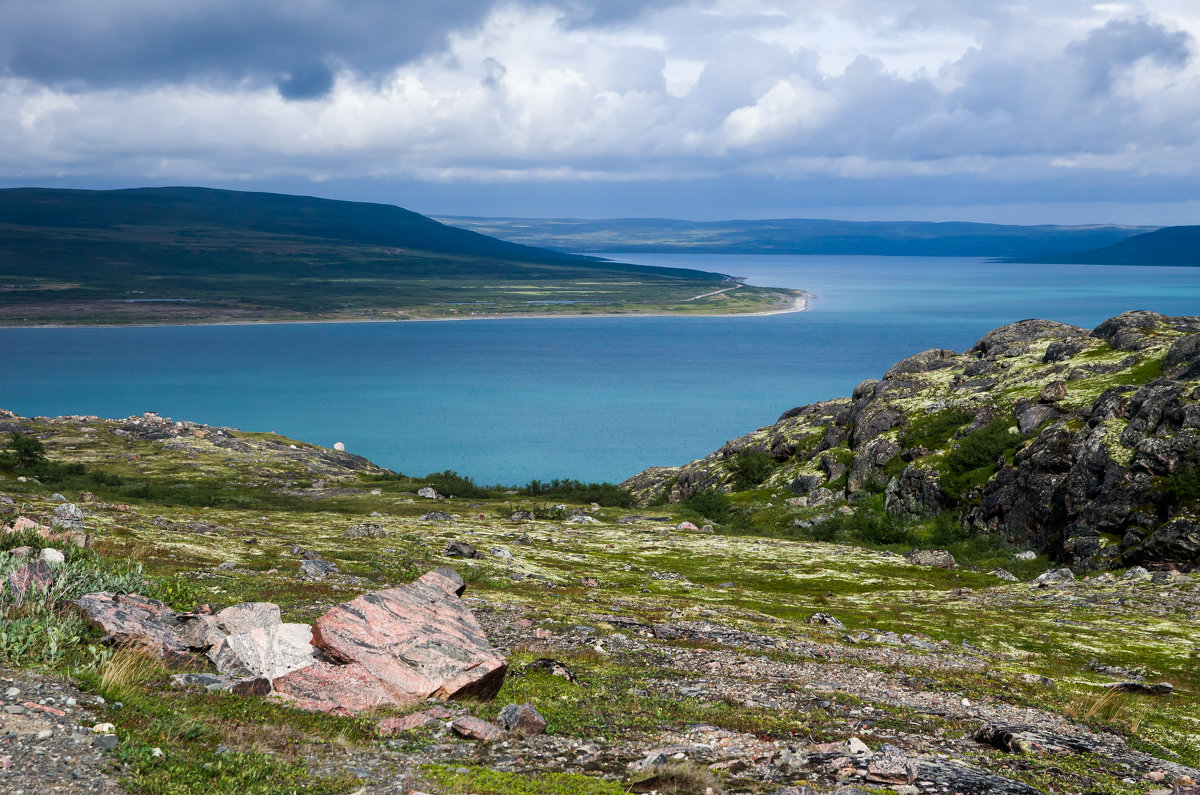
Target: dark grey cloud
{"type": "Point", "coordinates": [82, 44]}
{"type": "Point", "coordinates": [1122, 43]}
{"type": "Point", "coordinates": [101, 43]}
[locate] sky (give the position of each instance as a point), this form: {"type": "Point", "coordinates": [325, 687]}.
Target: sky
{"type": "Point", "coordinates": [1018, 111]}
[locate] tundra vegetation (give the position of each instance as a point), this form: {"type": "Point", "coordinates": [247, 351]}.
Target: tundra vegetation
{"type": "Point", "coordinates": [781, 613]}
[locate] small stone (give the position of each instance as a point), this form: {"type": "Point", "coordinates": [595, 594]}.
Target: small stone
{"type": "Point", "coordinates": [14, 709]}
{"type": "Point", "coordinates": [473, 728]}
{"type": "Point", "coordinates": [460, 549]}
{"type": "Point", "coordinates": [228, 565]}
{"type": "Point", "coordinates": [45, 734]}
{"type": "Point", "coordinates": [857, 746]}
{"type": "Point", "coordinates": [106, 742]}
{"type": "Point", "coordinates": [522, 720]}
{"type": "Point", "coordinates": [104, 728]}
{"type": "Point", "coordinates": [1054, 577]}
{"type": "Point", "coordinates": [52, 556]}
{"type": "Point", "coordinates": [686, 526]}
{"type": "Point", "coordinates": [429, 493]}
{"type": "Point", "coordinates": [937, 558]}
{"type": "Point", "coordinates": [12, 692]}
{"type": "Point", "coordinates": [437, 516]}
{"type": "Point", "coordinates": [318, 569]}
{"type": "Point", "coordinates": [1026, 555]}
{"type": "Point", "coordinates": [339, 446]}
{"type": "Point", "coordinates": [825, 620]}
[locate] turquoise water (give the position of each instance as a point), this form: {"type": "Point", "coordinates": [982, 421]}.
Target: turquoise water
{"type": "Point", "coordinates": [591, 398]}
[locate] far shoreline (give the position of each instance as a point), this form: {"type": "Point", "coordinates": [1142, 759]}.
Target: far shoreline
{"type": "Point", "coordinates": [799, 304]}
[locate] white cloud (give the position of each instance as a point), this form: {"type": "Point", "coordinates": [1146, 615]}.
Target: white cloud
{"type": "Point", "coordinates": [856, 89]}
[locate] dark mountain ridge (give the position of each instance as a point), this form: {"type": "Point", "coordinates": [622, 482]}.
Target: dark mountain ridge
{"type": "Point", "coordinates": [801, 236]}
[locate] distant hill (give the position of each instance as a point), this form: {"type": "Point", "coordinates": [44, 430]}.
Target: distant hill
{"type": "Point", "coordinates": [1173, 245]}
{"type": "Point", "coordinates": [201, 255]}
{"type": "Point", "coordinates": [800, 236]}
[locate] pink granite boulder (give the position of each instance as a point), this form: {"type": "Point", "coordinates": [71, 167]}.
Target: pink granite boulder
{"type": "Point", "coordinates": [351, 687]}
{"type": "Point", "coordinates": [415, 720]}
{"type": "Point", "coordinates": [136, 621]}
{"type": "Point", "coordinates": [35, 575]}
{"type": "Point", "coordinates": [419, 640]}
{"type": "Point", "coordinates": [473, 728]}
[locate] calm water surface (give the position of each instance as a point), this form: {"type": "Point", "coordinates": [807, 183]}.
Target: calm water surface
{"type": "Point", "coordinates": [591, 398]}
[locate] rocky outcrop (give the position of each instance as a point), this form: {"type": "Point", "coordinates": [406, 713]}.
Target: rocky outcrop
{"type": "Point", "coordinates": [420, 640]}
{"type": "Point", "coordinates": [1102, 467]}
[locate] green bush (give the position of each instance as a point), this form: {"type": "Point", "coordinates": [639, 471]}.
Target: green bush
{"type": "Point", "coordinates": [934, 430]}
{"type": "Point", "coordinates": [23, 452]}
{"type": "Point", "coordinates": [975, 458]}
{"type": "Point", "coordinates": [606, 494]}
{"type": "Point", "coordinates": [453, 484]}
{"type": "Point", "coordinates": [38, 628]}
{"type": "Point", "coordinates": [750, 468]}
{"type": "Point", "coordinates": [1182, 485]}
{"type": "Point", "coordinates": [709, 504]}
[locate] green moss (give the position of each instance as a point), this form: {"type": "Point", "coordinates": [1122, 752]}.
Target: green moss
{"type": "Point", "coordinates": [480, 780]}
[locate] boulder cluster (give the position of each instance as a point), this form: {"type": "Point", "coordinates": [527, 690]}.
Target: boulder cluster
{"type": "Point", "coordinates": [394, 647]}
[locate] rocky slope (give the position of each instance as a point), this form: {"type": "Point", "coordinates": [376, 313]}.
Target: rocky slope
{"type": "Point", "coordinates": [1083, 445]}
{"type": "Point", "coordinates": [663, 656]}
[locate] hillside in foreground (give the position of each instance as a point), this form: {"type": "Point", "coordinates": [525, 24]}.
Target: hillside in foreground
{"type": "Point", "coordinates": [744, 641]}
{"type": "Point", "coordinates": [188, 255]}
{"type": "Point", "coordinates": [1080, 444]}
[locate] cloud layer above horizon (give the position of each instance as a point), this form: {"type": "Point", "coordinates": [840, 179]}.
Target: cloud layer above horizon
{"type": "Point", "coordinates": [999, 94]}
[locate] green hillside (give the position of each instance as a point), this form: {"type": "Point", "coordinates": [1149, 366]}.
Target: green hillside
{"type": "Point", "coordinates": [1174, 245]}
{"type": "Point", "coordinates": [800, 236]}
{"type": "Point", "coordinates": [201, 255]}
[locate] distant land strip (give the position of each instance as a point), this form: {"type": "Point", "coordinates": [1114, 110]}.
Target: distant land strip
{"type": "Point", "coordinates": [197, 256]}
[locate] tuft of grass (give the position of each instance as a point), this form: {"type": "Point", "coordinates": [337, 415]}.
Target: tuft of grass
{"type": "Point", "coordinates": [677, 778]}
{"type": "Point", "coordinates": [1110, 708]}
{"type": "Point", "coordinates": [125, 675]}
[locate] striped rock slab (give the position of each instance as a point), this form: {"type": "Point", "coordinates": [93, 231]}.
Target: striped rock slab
{"type": "Point", "coordinates": [399, 647]}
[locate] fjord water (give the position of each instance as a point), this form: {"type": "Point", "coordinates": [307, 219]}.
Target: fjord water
{"type": "Point", "coordinates": [590, 398]}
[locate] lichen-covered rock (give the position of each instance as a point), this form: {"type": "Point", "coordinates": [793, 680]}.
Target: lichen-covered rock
{"type": "Point", "coordinates": [1018, 336]}
{"type": "Point", "coordinates": [938, 558]}
{"type": "Point", "coordinates": [923, 362]}
{"type": "Point", "coordinates": [915, 494]}
{"type": "Point", "coordinates": [1098, 476]}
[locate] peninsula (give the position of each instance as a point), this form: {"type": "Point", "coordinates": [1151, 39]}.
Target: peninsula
{"type": "Point", "coordinates": [197, 255]}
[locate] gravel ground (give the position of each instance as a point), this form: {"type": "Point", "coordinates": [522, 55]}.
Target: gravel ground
{"type": "Point", "coordinates": [46, 740]}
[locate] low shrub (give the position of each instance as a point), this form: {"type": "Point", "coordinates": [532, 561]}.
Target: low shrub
{"type": "Point", "coordinates": [605, 494]}
{"type": "Point", "coordinates": [934, 430]}
{"type": "Point", "coordinates": [977, 457]}
{"type": "Point", "coordinates": [750, 468]}
{"type": "Point", "coordinates": [709, 504]}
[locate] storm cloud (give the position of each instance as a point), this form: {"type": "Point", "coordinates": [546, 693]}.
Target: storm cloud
{"type": "Point", "coordinates": [848, 95]}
